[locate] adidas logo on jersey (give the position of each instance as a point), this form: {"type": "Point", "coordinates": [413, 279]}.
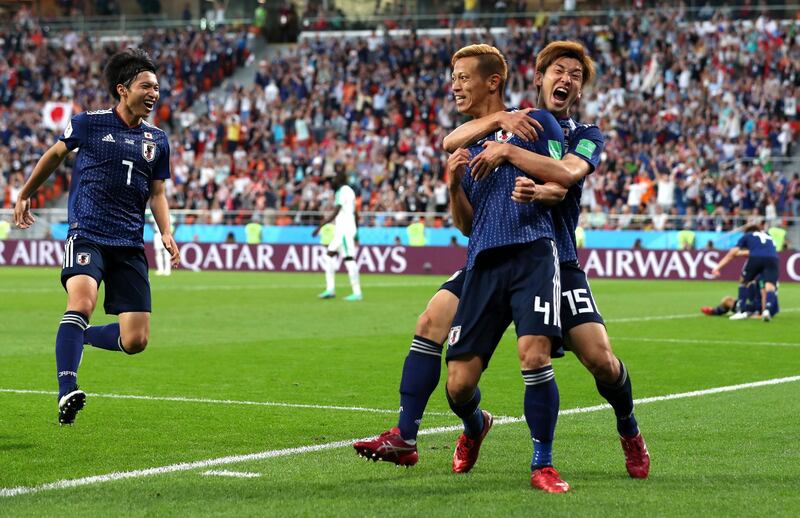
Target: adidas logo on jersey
{"type": "Point", "coordinates": [109, 138]}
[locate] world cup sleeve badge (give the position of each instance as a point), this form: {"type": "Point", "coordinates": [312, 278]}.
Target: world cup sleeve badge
{"type": "Point", "coordinates": [148, 150]}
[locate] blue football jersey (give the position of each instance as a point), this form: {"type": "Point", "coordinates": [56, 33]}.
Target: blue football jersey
{"type": "Point", "coordinates": [586, 142]}
{"type": "Point", "coordinates": [760, 244]}
{"type": "Point", "coordinates": [112, 176]}
{"type": "Point", "coordinates": [497, 220]}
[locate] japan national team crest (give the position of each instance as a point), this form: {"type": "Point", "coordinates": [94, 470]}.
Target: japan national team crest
{"type": "Point", "coordinates": [83, 258]}
{"type": "Point", "coordinates": [503, 136]}
{"type": "Point", "coordinates": [148, 150]}
{"type": "Point", "coordinates": [455, 334]}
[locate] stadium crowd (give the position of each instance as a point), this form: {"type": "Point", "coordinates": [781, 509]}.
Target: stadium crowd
{"type": "Point", "coordinates": [67, 67]}
{"type": "Point", "coordinates": [697, 117]}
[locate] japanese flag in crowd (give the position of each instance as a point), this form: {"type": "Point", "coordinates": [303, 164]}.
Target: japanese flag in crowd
{"type": "Point", "coordinates": [55, 116]}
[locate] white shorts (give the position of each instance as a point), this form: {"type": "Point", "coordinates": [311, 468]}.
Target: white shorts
{"type": "Point", "coordinates": [343, 244]}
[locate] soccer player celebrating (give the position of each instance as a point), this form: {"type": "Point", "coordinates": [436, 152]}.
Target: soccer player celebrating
{"type": "Point", "coordinates": [562, 69]}
{"type": "Point", "coordinates": [343, 242]}
{"type": "Point", "coordinates": [511, 274]}
{"type": "Point", "coordinates": [122, 163]}
{"type": "Point", "coordinates": [762, 261]}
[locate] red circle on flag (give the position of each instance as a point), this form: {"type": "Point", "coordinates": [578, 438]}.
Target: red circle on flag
{"type": "Point", "coordinates": [57, 113]}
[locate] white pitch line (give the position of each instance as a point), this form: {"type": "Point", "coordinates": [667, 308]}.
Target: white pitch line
{"type": "Point", "coordinates": [226, 473]}
{"type": "Point", "coordinates": [180, 399]}
{"type": "Point", "coordinates": [231, 287]}
{"type": "Point", "coordinates": [236, 459]}
{"type": "Point", "coordinates": [696, 341]}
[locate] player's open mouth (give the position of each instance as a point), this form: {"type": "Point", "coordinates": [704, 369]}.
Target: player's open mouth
{"type": "Point", "coordinates": [560, 94]}
{"type": "Point", "coordinates": [459, 98]}
{"type": "Point", "coordinates": [149, 104]}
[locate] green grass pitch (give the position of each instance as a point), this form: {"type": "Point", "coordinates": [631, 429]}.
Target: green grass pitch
{"type": "Point", "coordinates": [250, 373]}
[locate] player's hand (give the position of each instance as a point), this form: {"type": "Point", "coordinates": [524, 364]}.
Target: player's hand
{"type": "Point", "coordinates": [172, 247]}
{"type": "Point", "coordinates": [493, 154]}
{"type": "Point", "coordinates": [23, 218]}
{"type": "Point", "coordinates": [524, 190]}
{"type": "Point", "coordinates": [456, 164]}
{"type": "Point", "coordinates": [520, 124]}
{"type": "Point", "coordinates": [715, 272]}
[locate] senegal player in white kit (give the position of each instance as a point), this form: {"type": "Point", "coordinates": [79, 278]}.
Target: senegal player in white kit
{"type": "Point", "coordinates": [344, 239]}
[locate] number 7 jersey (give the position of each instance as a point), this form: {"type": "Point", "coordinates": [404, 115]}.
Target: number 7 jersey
{"type": "Point", "coordinates": [112, 176]}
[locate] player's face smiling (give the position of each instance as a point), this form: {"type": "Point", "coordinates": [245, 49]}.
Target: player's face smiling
{"type": "Point", "coordinates": [142, 96]}
{"type": "Point", "coordinates": [470, 90]}
{"type": "Point", "coordinates": [561, 85]}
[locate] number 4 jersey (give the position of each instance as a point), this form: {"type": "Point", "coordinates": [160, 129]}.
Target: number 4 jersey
{"type": "Point", "coordinates": [112, 176]}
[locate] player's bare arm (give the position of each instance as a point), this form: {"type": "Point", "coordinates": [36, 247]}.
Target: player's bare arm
{"type": "Point", "coordinates": [460, 207]}
{"type": "Point", "coordinates": [326, 220]}
{"type": "Point", "coordinates": [517, 122]}
{"type": "Point", "coordinates": [526, 191]}
{"type": "Point", "coordinates": [733, 252]}
{"type": "Point", "coordinates": [160, 209]}
{"type": "Point", "coordinates": [49, 162]}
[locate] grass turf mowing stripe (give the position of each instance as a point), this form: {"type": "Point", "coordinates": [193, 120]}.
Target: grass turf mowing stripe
{"type": "Point", "coordinates": [235, 459]}
{"type": "Point", "coordinates": [181, 399]}
{"type": "Point", "coordinates": [696, 341]}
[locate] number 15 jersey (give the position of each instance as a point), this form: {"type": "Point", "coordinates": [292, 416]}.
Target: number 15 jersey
{"type": "Point", "coordinates": [112, 176]}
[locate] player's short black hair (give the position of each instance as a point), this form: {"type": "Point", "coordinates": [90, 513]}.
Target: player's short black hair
{"type": "Point", "coordinates": [124, 66]}
{"type": "Point", "coordinates": [753, 227]}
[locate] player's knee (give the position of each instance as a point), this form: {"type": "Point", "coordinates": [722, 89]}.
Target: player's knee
{"type": "Point", "coordinates": [534, 353]}
{"type": "Point", "coordinates": [460, 387]}
{"type": "Point", "coordinates": [429, 328]}
{"type": "Point", "coordinates": [135, 343]}
{"type": "Point", "coordinates": [83, 305]}
{"type": "Point", "coordinates": [604, 367]}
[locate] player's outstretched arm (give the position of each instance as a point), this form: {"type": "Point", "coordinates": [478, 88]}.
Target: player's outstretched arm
{"type": "Point", "coordinates": [568, 171]}
{"type": "Point", "coordinates": [160, 209]}
{"type": "Point", "coordinates": [517, 122]}
{"type": "Point", "coordinates": [725, 260]}
{"type": "Point", "coordinates": [526, 190]}
{"type": "Point", "coordinates": [49, 162]}
{"type": "Point", "coordinates": [460, 207]}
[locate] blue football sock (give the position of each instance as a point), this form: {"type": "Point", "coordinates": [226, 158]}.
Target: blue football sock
{"type": "Point", "coordinates": [69, 350]}
{"type": "Point", "coordinates": [471, 413]}
{"type": "Point", "coordinates": [753, 298]}
{"type": "Point", "coordinates": [103, 337]}
{"type": "Point", "coordinates": [620, 396]}
{"type": "Point", "coordinates": [541, 413]}
{"type": "Point", "coordinates": [772, 302]}
{"type": "Point", "coordinates": [421, 372]}
{"type": "Point", "coordinates": [741, 301]}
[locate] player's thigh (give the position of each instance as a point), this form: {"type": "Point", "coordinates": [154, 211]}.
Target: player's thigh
{"type": "Point", "coordinates": [590, 343]}
{"type": "Point", "coordinates": [434, 323]}
{"type": "Point", "coordinates": [770, 273]}
{"type": "Point", "coordinates": [81, 294]}
{"type": "Point", "coordinates": [534, 290]}
{"type": "Point", "coordinates": [751, 269]}
{"type": "Point", "coordinates": [349, 245]}
{"type": "Point", "coordinates": [82, 271]}
{"type": "Point", "coordinates": [482, 316]}
{"type": "Point", "coordinates": [127, 282]}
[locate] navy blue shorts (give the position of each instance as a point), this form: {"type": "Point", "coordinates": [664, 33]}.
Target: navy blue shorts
{"type": "Point", "coordinates": [765, 267]}
{"type": "Point", "coordinates": [577, 302]}
{"type": "Point", "coordinates": [455, 284]}
{"type": "Point", "coordinates": [122, 268]}
{"type": "Point", "coordinates": [518, 283]}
